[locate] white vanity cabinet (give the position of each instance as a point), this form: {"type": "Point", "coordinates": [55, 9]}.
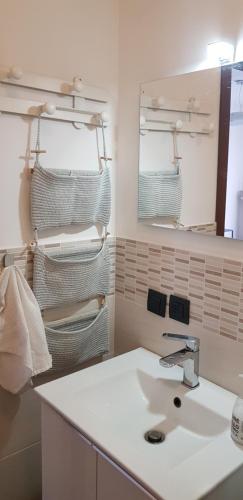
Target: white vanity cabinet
{"type": "Point", "coordinates": [68, 460]}
{"type": "Point", "coordinates": [115, 484]}
{"type": "Point", "coordinates": [74, 469]}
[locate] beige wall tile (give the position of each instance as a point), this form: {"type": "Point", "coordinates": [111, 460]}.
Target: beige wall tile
{"type": "Point", "coordinates": [214, 286]}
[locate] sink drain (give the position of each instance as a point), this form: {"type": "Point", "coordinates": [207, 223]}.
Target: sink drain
{"type": "Point", "coordinates": [177, 402]}
{"type": "Point", "coordinates": [154, 437]}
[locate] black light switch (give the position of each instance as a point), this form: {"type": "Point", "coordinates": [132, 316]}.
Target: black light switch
{"type": "Point", "coordinates": [179, 309]}
{"type": "Point", "coordinates": [156, 302]}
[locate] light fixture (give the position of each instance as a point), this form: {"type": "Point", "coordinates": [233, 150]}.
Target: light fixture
{"type": "Point", "coordinates": [239, 51]}
{"type": "Point", "coordinates": [220, 53]}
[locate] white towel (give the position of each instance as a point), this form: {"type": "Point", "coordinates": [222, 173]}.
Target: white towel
{"type": "Point", "coordinates": [23, 345]}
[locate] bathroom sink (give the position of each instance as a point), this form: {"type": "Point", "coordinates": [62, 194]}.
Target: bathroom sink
{"type": "Point", "coordinates": [117, 402]}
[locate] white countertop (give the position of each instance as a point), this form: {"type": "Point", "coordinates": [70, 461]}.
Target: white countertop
{"type": "Point", "coordinates": [115, 402]}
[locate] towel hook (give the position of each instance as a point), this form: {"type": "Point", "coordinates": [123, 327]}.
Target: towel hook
{"type": "Point", "coordinates": [77, 84]}
{"type": "Point", "coordinates": [102, 300]}
{"type": "Point", "coordinates": [8, 260]}
{"type": "Point", "coordinates": [15, 73]}
{"type": "Point", "coordinates": [34, 243]}
{"type": "Point", "coordinates": [106, 234]}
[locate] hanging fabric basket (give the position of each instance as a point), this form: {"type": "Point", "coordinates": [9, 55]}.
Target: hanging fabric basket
{"type": "Point", "coordinates": [76, 339]}
{"type": "Point", "coordinates": [64, 197]}
{"type": "Point", "coordinates": [160, 195]}
{"type": "Point", "coordinates": [68, 276]}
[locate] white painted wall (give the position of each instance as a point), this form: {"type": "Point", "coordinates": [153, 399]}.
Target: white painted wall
{"type": "Point", "coordinates": [57, 38]}
{"type": "Point", "coordinates": [158, 39]}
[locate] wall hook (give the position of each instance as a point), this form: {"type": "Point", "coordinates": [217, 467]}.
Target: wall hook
{"type": "Point", "coordinates": [15, 72]}
{"type": "Point", "coordinates": [77, 84]}
{"type": "Point", "coordinates": [8, 260]}
{"type": "Point", "coordinates": [211, 127]}
{"type": "Point", "coordinates": [48, 108]}
{"type": "Point", "coordinates": [177, 125]}
{"type": "Point", "coordinates": [194, 104]}
{"type": "Point", "coordinates": [158, 102]}
{"type": "Point", "coordinates": [78, 125]}
{"type": "Point", "coordinates": [104, 117]}
{"type": "Point", "coordinates": [142, 123]}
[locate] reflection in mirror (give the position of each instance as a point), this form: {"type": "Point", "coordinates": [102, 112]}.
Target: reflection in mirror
{"type": "Point", "coordinates": [190, 174]}
{"type": "Point", "coordinates": [179, 119]}
{"type": "Point", "coordinates": [230, 173]}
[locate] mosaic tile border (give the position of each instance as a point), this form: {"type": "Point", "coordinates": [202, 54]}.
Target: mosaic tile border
{"type": "Point", "coordinates": [213, 285]}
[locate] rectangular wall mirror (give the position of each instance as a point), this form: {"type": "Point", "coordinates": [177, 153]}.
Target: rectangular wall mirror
{"type": "Point", "coordinates": [190, 172]}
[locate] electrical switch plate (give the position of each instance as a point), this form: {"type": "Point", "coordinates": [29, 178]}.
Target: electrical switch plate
{"type": "Point", "coordinates": [179, 309]}
{"type": "Point", "coordinates": [156, 302]}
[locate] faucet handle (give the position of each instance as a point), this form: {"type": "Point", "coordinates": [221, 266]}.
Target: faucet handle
{"type": "Point", "coordinates": [192, 343]}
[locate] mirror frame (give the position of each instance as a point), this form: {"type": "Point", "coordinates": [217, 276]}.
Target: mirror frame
{"type": "Point", "coordinates": [223, 144]}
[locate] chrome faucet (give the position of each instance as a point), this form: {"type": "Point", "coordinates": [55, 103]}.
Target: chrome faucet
{"type": "Point", "coordinates": [188, 357]}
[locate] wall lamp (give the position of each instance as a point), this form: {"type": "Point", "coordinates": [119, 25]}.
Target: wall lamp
{"type": "Point", "coordinates": [220, 53]}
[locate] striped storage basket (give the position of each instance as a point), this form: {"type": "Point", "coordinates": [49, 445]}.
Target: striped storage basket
{"type": "Point", "coordinates": [68, 276]}
{"type": "Point", "coordinates": [76, 339]}
{"type": "Point", "coordinates": [63, 197]}
{"type": "Point", "coordinates": [160, 195]}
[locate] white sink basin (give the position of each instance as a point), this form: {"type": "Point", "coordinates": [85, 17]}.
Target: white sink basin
{"type": "Point", "coordinates": [115, 403]}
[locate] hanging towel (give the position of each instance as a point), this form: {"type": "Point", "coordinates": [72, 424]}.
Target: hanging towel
{"type": "Point", "coordinates": [23, 346]}
{"type": "Point", "coordinates": [160, 195]}
{"type": "Point", "coordinates": [69, 276]}
{"type": "Point", "coordinates": [76, 339]}
{"type": "Point", "coordinates": [63, 197]}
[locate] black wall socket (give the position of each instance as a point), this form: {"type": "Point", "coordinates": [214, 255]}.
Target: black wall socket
{"type": "Point", "coordinates": [156, 302]}
{"type": "Point", "coordinates": [179, 309]}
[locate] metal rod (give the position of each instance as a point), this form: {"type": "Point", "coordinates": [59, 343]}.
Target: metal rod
{"type": "Point", "coordinates": [44, 117]}
{"type": "Point", "coordinates": [25, 107]}
{"type": "Point", "coordinates": [177, 131]}
{"type": "Point", "coordinates": [155, 108]}
{"type": "Point", "coordinates": [74, 110]}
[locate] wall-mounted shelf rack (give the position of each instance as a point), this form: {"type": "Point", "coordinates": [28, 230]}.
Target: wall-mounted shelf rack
{"type": "Point", "coordinates": [24, 107]}
{"type": "Point", "coordinates": [87, 104]}
{"type": "Point", "coordinates": [187, 128]}
{"type": "Point", "coordinates": [176, 106]}
{"type": "Point", "coordinates": [162, 120]}
{"type": "Point", "coordinates": [53, 85]}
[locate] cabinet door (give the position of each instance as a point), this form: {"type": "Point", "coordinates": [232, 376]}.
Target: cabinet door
{"type": "Point", "coordinates": [114, 483]}
{"type": "Point", "coordinates": [68, 460]}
